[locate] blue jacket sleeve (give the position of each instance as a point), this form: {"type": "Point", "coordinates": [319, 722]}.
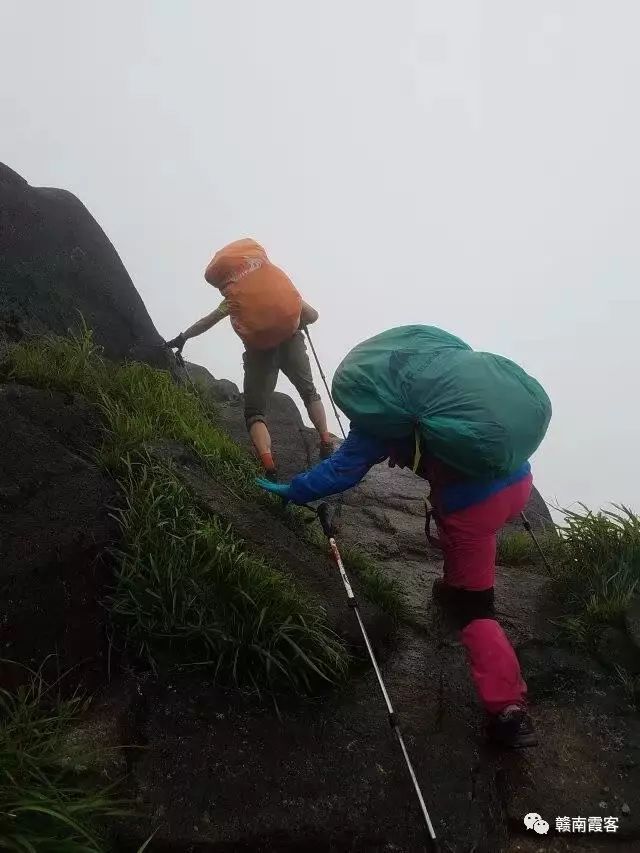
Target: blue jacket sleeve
{"type": "Point", "coordinates": [343, 470]}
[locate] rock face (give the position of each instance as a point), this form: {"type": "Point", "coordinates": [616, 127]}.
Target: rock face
{"type": "Point", "coordinates": [632, 621]}
{"type": "Point", "coordinates": [54, 526]}
{"type": "Point", "coordinates": [57, 263]}
{"type": "Point", "coordinates": [45, 460]}
{"type": "Point", "coordinates": [216, 390]}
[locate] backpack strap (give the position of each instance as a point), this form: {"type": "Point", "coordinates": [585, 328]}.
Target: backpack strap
{"type": "Point", "coordinates": [417, 455]}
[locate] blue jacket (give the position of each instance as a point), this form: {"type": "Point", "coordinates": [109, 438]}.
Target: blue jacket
{"type": "Point", "coordinates": [349, 464]}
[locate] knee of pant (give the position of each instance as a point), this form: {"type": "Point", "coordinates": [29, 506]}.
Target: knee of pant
{"type": "Point", "coordinates": [309, 395]}
{"type": "Point", "coordinates": [252, 418]}
{"type": "Point", "coordinates": [472, 604]}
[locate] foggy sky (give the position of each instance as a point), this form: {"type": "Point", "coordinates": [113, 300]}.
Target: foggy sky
{"type": "Point", "coordinates": [472, 165]}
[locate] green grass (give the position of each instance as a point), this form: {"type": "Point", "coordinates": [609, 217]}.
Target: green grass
{"type": "Point", "coordinates": [46, 803]}
{"type": "Point", "coordinates": [187, 591]}
{"type": "Point", "coordinates": [598, 569]}
{"type": "Point", "coordinates": [517, 548]}
{"type": "Point", "coordinates": [387, 593]}
{"type": "Point", "coordinates": [595, 559]}
{"type": "Point", "coordinates": [139, 404]}
{"type": "Point", "coordinates": [190, 592]}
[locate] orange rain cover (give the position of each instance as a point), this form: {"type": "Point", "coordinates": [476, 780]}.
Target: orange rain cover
{"type": "Point", "coordinates": [264, 306]}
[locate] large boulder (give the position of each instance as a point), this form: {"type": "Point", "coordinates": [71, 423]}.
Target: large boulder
{"type": "Point", "coordinates": [215, 390]}
{"type": "Point", "coordinates": [58, 266]}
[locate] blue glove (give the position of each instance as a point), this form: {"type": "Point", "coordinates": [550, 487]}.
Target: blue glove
{"type": "Point", "coordinates": [279, 489]}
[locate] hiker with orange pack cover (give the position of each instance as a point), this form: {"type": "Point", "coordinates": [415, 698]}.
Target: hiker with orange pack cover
{"type": "Point", "coordinates": [268, 314]}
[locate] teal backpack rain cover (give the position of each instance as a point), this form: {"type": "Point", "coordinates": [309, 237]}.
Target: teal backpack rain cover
{"type": "Point", "coordinates": [477, 412]}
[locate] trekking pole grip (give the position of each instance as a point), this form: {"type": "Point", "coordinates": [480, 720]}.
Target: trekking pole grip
{"type": "Point", "coordinates": [324, 514]}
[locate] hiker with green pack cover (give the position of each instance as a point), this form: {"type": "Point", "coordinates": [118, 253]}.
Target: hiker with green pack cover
{"type": "Point", "coordinates": [467, 422]}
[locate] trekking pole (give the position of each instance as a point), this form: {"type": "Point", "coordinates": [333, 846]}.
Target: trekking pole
{"type": "Point", "coordinates": [527, 526]}
{"type": "Point", "coordinates": [324, 379]}
{"type": "Point", "coordinates": [325, 521]}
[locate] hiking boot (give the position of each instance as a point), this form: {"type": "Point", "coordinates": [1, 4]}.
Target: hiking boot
{"type": "Point", "coordinates": [271, 474]}
{"type": "Point", "coordinates": [512, 729]}
{"type": "Point", "coordinates": [442, 593]}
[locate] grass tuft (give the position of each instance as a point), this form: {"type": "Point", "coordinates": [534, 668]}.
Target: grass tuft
{"type": "Point", "coordinates": [387, 593]}
{"type": "Point", "coordinates": [45, 803]}
{"type": "Point", "coordinates": [188, 591]}
{"type": "Point", "coordinates": [517, 548]}
{"type": "Point", "coordinates": [598, 569]}
{"type": "Point", "coordinates": [139, 403]}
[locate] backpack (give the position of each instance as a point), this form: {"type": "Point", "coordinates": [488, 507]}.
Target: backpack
{"type": "Point", "coordinates": [478, 413]}
{"type": "Point", "coordinates": [264, 306]}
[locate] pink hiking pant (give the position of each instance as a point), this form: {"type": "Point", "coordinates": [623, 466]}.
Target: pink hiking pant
{"type": "Point", "coordinates": [468, 539]}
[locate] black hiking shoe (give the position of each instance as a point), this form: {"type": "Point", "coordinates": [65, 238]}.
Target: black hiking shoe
{"type": "Point", "coordinates": [442, 593]}
{"type": "Point", "coordinates": [512, 729]}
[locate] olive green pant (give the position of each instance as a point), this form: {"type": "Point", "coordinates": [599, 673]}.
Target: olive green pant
{"type": "Point", "coordinates": [261, 369]}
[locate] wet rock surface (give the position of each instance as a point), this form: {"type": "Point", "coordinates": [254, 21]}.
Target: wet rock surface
{"type": "Point", "coordinates": [632, 623]}
{"type": "Point", "coordinates": [54, 529]}
{"type": "Point", "coordinates": [46, 462]}
{"type": "Point", "coordinates": [588, 760]}
{"type": "Point", "coordinates": [214, 390]}
{"type": "Point", "coordinates": [327, 775]}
